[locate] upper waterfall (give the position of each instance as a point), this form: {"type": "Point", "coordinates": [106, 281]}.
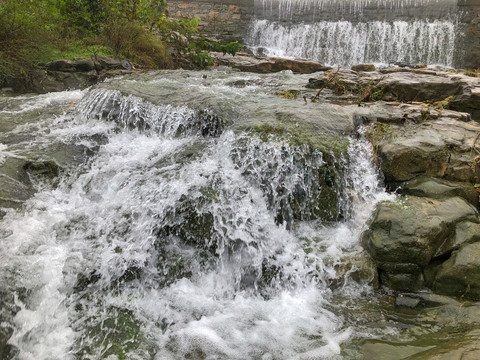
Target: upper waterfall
{"type": "Point", "coordinates": [342, 33]}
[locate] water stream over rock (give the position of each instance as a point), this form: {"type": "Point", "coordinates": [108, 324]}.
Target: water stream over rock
{"type": "Point", "coordinates": [177, 232]}
{"type": "Point", "coordinates": [196, 215]}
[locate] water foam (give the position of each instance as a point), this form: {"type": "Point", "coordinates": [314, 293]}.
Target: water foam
{"type": "Point", "coordinates": [169, 235]}
{"type": "Point", "coordinates": [346, 43]}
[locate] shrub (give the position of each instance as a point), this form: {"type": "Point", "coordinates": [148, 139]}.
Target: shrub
{"type": "Point", "coordinates": [129, 39]}
{"type": "Point", "coordinates": [25, 39]}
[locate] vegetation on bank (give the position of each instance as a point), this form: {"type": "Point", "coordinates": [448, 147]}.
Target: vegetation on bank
{"type": "Point", "coordinates": [34, 32]}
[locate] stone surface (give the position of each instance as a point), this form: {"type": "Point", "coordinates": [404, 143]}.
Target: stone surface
{"type": "Point", "coordinates": [441, 147]}
{"type": "Point", "coordinates": [426, 186]}
{"type": "Point", "coordinates": [437, 89]}
{"type": "Point", "coordinates": [417, 86]}
{"type": "Point", "coordinates": [460, 274]}
{"type": "Point", "coordinates": [246, 62]}
{"type": "Point", "coordinates": [364, 67]}
{"type": "Point", "coordinates": [405, 235]}
{"type": "Point", "coordinates": [61, 75]}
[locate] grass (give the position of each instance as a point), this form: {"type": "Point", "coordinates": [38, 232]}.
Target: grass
{"type": "Point", "coordinates": [34, 33]}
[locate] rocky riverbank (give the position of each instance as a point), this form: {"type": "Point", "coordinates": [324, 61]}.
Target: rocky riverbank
{"type": "Point", "coordinates": [422, 124]}
{"type": "Point", "coordinates": [61, 75]}
{"type": "Point", "coordinates": [428, 237]}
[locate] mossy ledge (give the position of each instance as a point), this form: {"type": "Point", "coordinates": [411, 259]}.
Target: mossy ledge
{"type": "Point", "coordinates": [331, 146]}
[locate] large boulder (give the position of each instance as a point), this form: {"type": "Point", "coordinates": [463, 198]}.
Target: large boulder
{"type": "Point", "coordinates": [443, 147]}
{"type": "Point", "coordinates": [404, 236]}
{"type": "Point", "coordinates": [460, 274]}
{"type": "Point", "coordinates": [455, 91]}
{"type": "Point", "coordinates": [419, 86]}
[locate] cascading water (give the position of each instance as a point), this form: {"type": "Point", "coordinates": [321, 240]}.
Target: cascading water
{"type": "Point", "coordinates": [179, 235]}
{"type": "Point", "coordinates": [344, 33]}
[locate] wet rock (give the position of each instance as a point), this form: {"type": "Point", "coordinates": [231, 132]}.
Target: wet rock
{"type": "Point", "coordinates": [456, 91]}
{"type": "Point", "coordinates": [364, 67]}
{"type": "Point", "coordinates": [15, 185]}
{"type": "Point", "coordinates": [425, 186]}
{"type": "Point", "coordinates": [460, 274]}
{"type": "Point", "coordinates": [84, 65]}
{"type": "Point", "coordinates": [466, 347]}
{"type": "Point", "coordinates": [406, 301]}
{"type": "Point", "coordinates": [362, 270]}
{"type": "Point", "coordinates": [61, 75]}
{"type": "Point", "coordinates": [441, 147]}
{"type": "Point", "coordinates": [268, 65]}
{"type": "Point", "coordinates": [410, 86]}
{"type": "Point", "coordinates": [86, 280]}
{"type": "Point", "coordinates": [61, 65]}
{"type": "Point", "coordinates": [374, 349]}
{"type": "Point", "coordinates": [108, 63]}
{"type": "Point", "coordinates": [347, 80]}
{"type": "Point", "coordinates": [45, 168]}
{"type": "Point", "coordinates": [469, 99]}
{"type": "Point", "coordinates": [404, 236]}
{"type": "Point", "coordinates": [8, 309]}
{"type": "Point", "coordinates": [114, 334]}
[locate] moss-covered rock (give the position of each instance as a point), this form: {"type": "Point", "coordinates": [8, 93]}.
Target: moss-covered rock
{"type": "Point", "coordinates": [116, 333]}
{"type": "Point", "coordinates": [299, 172]}
{"type": "Point", "coordinates": [405, 235]}
{"type": "Point", "coordinates": [460, 274]}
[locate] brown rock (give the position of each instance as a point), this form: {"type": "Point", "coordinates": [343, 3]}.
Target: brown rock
{"type": "Point", "coordinates": [364, 67]}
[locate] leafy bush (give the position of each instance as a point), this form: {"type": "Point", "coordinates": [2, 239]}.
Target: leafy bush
{"type": "Point", "coordinates": [130, 40]}
{"type": "Point", "coordinates": [24, 38]}
{"type": "Point", "coordinates": [83, 15]}
{"type": "Point", "coordinates": [181, 34]}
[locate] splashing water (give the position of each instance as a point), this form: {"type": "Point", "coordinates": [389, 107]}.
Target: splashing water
{"type": "Point", "coordinates": [166, 242]}
{"type": "Point", "coordinates": [345, 43]}
{"type": "Point", "coordinates": [353, 32]}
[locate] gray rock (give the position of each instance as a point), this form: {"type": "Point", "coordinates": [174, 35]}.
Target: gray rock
{"type": "Point", "coordinates": [406, 301]}
{"type": "Point", "coordinates": [441, 147]}
{"type": "Point", "coordinates": [426, 186]}
{"type": "Point", "coordinates": [460, 275]}
{"type": "Point", "coordinates": [415, 86]}
{"type": "Point", "coordinates": [404, 236]}
{"type": "Point", "coordinates": [244, 62]}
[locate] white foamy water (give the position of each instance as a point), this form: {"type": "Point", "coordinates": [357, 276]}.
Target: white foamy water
{"type": "Point", "coordinates": [287, 9]}
{"type": "Point", "coordinates": [345, 43]}
{"type": "Point", "coordinates": [167, 240]}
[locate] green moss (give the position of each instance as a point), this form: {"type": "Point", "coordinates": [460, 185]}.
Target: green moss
{"type": "Point", "coordinates": [288, 94]}
{"type": "Point", "coordinates": [296, 136]}
{"type": "Point", "coordinates": [117, 334]}
{"type": "Point", "coordinates": [209, 193]}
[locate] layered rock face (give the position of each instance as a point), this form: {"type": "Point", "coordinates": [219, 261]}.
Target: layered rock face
{"type": "Point", "coordinates": [429, 236]}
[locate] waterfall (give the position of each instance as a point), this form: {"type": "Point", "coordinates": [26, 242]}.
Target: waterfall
{"type": "Point", "coordinates": [180, 236]}
{"type": "Point", "coordinates": [343, 33]}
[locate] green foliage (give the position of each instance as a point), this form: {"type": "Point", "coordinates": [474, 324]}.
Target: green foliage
{"type": "Point", "coordinates": [379, 132]}
{"type": "Point", "coordinates": [24, 36]}
{"type": "Point", "coordinates": [147, 12]}
{"type": "Point", "coordinates": [83, 15]}
{"type": "Point", "coordinates": [229, 48]}
{"type": "Point", "coordinates": [181, 34]}
{"type": "Point", "coordinates": [288, 94]}
{"type": "Point", "coordinates": [129, 39]}
{"type": "Point", "coordinates": [178, 32]}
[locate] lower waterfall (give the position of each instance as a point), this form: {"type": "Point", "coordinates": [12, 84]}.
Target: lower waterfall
{"type": "Point", "coordinates": [172, 234]}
